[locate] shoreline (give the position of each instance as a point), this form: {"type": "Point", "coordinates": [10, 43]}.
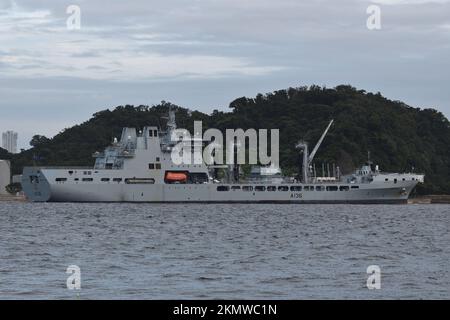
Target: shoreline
{"type": "Point", "coordinates": [11, 198]}
{"type": "Point", "coordinates": [430, 199]}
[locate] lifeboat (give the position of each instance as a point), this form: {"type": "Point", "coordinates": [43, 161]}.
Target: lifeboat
{"type": "Point", "coordinates": [176, 177]}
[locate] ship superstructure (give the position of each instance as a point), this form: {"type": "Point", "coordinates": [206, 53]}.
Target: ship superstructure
{"type": "Point", "coordinates": [139, 168]}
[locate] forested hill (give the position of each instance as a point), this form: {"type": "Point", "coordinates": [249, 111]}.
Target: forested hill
{"type": "Point", "coordinates": [399, 137]}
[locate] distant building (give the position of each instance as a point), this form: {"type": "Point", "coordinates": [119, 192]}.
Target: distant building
{"type": "Point", "coordinates": [5, 176]}
{"type": "Point", "coordinates": [9, 141]}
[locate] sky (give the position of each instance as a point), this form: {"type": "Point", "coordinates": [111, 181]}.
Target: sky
{"type": "Point", "coordinates": [202, 54]}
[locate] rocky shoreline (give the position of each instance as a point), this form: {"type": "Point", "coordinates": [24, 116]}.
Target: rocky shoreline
{"type": "Point", "coordinates": [430, 199]}
{"type": "Point", "coordinates": [12, 198]}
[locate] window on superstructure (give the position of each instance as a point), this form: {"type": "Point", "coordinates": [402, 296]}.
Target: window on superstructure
{"type": "Point", "coordinates": [223, 188]}
{"type": "Point", "coordinates": [150, 133]}
{"type": "Point", "coordinates": [139, 181]}
{"type": "Point", "coordinates": [155, 133]}
{"type": "Point", "coordinates": [158, 166]}
{"type": "Point", "coordinates": [151, 166]}
{"type": "Point", "coordinates": [157, 159]}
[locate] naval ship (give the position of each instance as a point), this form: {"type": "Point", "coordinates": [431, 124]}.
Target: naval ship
{"type": "Point", "coordinates": [139, 168]}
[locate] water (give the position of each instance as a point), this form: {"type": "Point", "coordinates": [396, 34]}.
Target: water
{"type": "Point", "coordinates": [167, 251]}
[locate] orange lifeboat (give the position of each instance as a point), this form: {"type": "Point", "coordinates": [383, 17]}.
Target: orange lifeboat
{"type": "Point", "coordinates": [176, 177]}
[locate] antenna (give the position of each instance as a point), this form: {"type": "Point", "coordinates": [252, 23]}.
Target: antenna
{"type": "Point", "coordinates": [368, 158]}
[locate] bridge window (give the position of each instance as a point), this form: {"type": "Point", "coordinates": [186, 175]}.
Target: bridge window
{"type": "Point", "coordinates": [332, 188]}
{"type": "Point", "coordinates": [158, 166]}
{"type": "Point", "coordinates": [88, 179]}
{"type": "Point", "coordinates": [271, 188]}
{"type": "Point", "coordinates": [355, 187]}
{"type": "Point", "coordinates": [60, 179]}
{"type": "Point", "coordinates": [235, 187]}
{"type": "Point", "coordinates": [223, 188]}
{"type": "Point", "coordinates": [386, 179]}
{"type": "Point", "coordinates": [105, 179]}
{"type": "Point", "coordinates": [151, 166]}
{"type": "Point", "coordinates": [260, 188]}
{"type": "Point", "coordinates": [117, 179]}
{"type": "Point", "coordinates": [283, 188]}
{"type": "Point", "coordinates": [247, 188]}
{"type": "Point", "coordinates": [344, 188]}
{"type": "Point", "coordinates": [296, 188]}
{"type": "Point", "coordinates": [320, 188]}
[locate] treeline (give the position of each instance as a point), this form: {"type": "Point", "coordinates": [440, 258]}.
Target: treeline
{"type": "Point", "coordinates": [400, 138]}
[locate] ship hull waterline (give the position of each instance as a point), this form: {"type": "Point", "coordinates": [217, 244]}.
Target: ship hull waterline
{"type": "Point", "coordinates": [45, 191]}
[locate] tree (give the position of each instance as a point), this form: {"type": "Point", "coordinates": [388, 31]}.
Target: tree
{"type": "Point", "coordinates": [39, 140]}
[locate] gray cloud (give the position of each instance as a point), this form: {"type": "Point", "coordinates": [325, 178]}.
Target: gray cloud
{"type": "Point", "coordinates": [204, 53]}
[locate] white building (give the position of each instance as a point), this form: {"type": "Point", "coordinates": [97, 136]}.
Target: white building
{"type": "Point", "coordinates": [9, 141]}
{"type": "Point", "coordinates": [5, 176]}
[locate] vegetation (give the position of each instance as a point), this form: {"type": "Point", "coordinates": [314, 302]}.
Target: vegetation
{"type": "Point", "coordinates": [13, 188]}
{"type": "Point", "coordinates": [400, 138]}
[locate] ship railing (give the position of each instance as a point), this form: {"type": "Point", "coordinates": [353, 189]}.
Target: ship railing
{"type": "Point", "coordinates": [122, 154]}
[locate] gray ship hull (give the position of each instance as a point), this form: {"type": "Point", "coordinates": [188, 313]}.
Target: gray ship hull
{"type": "Point", "coordinates": [40, 186]}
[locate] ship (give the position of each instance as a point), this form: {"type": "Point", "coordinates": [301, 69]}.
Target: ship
{"type": "Point", "coordinates": [139, 168]}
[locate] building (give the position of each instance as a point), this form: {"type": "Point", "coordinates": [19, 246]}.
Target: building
{"type": "Point", "coordinates": [9, 141]}
{"type": "Point", "coordinates": [5, 176]}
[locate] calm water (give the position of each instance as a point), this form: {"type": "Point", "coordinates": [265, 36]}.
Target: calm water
{"type": "Point", "coordinates": [133, 251]}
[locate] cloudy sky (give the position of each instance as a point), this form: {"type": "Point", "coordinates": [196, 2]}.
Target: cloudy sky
{"type": "Point", "coordinates": [202, 54]}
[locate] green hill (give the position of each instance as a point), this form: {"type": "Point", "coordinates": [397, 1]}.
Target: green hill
{"type": "Point", "coordinates": [398, 136]}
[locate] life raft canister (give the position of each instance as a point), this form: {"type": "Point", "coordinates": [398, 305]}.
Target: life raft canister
{"type": "Point", "coordinates": [176, 176]}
